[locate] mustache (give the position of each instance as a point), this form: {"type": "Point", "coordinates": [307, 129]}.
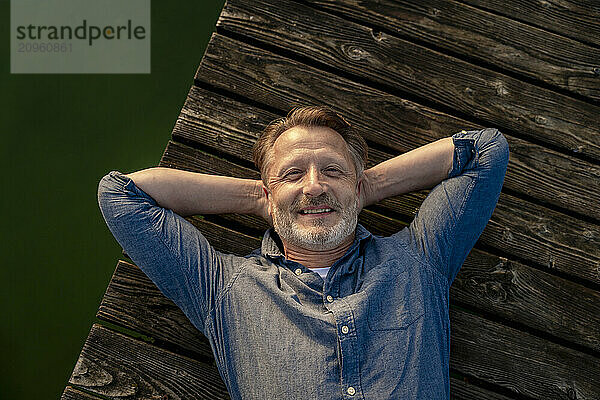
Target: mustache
{"type": "Point", "coordinates": [323, 198]}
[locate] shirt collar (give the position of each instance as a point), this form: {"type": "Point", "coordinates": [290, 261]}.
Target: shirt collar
{"type": "Point", "coordinates": [270, 248]}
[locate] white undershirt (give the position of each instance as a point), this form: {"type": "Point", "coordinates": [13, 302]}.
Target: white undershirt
{"type": "Point", "coordinates": [321, 271]}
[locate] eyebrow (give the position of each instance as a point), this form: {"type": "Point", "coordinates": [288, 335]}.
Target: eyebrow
{"type": "Point", "coordinates": [295, 161]}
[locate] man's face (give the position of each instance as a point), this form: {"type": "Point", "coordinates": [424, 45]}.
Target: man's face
{"type": "Point", "coordinates": [313, 188]}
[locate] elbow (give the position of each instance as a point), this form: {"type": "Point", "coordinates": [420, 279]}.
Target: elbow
{"type": "Point", "coordinates": [495, 144]}
{"type": "Point", "coordinates": [106, 186]}
{"type": "Point", "coordinates": [111, 191]}
{"type": "Point", "coordinates": [493, 150]}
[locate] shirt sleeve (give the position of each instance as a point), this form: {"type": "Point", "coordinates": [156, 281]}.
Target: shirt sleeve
{"type": "Point", "coordinates": [164, 245]}
{"type": "Point", "coordinates": [456, 211]}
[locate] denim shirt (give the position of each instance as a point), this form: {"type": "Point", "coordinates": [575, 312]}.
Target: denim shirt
{"type": "Point", "coordinates": [377, 327]}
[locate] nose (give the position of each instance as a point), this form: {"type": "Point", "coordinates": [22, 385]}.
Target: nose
{"type": "Point", "coordinates": [313, 185]}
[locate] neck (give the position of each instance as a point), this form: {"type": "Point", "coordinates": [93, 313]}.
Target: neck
{"type": "Point", "coordinates": [317, 258]}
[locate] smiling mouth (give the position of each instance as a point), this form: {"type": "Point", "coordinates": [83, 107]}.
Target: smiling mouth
{"type": "Point", "coordinates": [316, 211]}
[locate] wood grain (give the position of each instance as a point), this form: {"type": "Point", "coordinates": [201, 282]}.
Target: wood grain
{"type": "Point", "coordinates": [481, 37]}
{"type": "Point", "coordinates": [70, 393]}
{"type": "Point", "coordinates": [521, 362]}
{"type": "Point", "coordinates": [133, 301]}
{"type": "Point", "coordinates": [578, 19]}
{"type": "Point", "coordinates": [461, 390]}
{"type": "Point", "coordinates": [397, 124]}
{"type": "Point", "coordinates": [427, 75]}
{"type": "Point", "coordinates": [117, 366]}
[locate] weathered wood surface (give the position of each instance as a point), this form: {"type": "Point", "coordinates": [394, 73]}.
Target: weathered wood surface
{"type": "Point", "coordinates": [71, 393]}
{"type": "Point", "coordinates": [430, 76]}
{"type": "Point", "coordinates": [460, 390]}
{"type": "Point", "coordinates": [481, 37]}
{"type": "Point", "coordinates": [577, 19]}
{"type": "Point", "coordinates": [117, 366]}
{"type": "Point", "coordinates": [519, 361]}
{"type": "Point", "coordinates": [549, 238]}
{"type": "Point", "coordinates": [387, 120]}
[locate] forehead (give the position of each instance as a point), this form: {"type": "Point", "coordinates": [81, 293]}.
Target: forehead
{"type": "Point", "coordinates": [314, 141]}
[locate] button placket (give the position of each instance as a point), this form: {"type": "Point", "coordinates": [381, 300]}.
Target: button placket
{"type": "Point", "coordinates": [348, 347]}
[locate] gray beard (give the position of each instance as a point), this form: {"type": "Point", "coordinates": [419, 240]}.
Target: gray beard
{"type": "Point", "coordinates": [316, 237]}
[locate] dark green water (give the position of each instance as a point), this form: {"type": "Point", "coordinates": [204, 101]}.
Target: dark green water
{"type": "Point", "coordinates": [60, 135]}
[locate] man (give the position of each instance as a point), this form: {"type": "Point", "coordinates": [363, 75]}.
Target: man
{"type": "Point", "coordinates": [324, 309]}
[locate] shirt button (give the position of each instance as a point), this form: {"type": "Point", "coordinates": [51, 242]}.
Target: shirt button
{"type": "Point", "coordinates": [351, 391]}
{"type": "Point", "coordinates": [330, 299]}
{"type": "Point", "coordinates": [298, 271]}
{"type": "Point", "coordinates": [345, 329]}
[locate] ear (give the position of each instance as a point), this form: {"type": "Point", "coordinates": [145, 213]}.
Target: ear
{"type": "Point", "coordinates": [359, 185]}
{"type": "Point", "coordinates": [268, 197]}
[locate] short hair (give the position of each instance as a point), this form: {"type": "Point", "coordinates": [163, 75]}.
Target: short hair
{"type": "Point", "coordinates": [309, 116]}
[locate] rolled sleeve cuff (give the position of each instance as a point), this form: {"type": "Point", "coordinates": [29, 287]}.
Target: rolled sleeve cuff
{"type": "Point", "coordinates": [464, 150]}
{"type": "Point", "coordinates": [116, 182]}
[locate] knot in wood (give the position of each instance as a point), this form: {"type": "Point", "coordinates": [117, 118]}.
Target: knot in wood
{"type": "Point", "coordinates": [507, 236]}
{"type": "Point", "coordinates": [355, 52]}
{"type": "Point", "coordinates": [597, 71]}
{"type": "Point", "coordinates": [578, 149]}
{"type": "Point", "coordinates": [496, 292]}
{"type": "Point", "coordinates": [571, 393]}
{"type": "Point", "coordinates": [588, 234]}
{"type": "Point", "coordinates": [377, 35]}
{"type": "Point", "coordinates": [503, 273]}
{"type": "Point", "coordinates": [540, 120]}
{"type": "Point", "coordinates": [500, 88]}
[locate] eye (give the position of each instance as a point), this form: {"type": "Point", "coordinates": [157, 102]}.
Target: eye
{"type": "Point", "coordinates": [292, 174]}
{"type": "Point", "coordinates": [333, 170]}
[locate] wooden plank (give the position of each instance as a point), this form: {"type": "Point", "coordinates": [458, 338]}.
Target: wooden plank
{"type": "Point", "coordinates": [71, 393]}
{"type": "Point", "coordinates": [530, 297]}
{"type": "Point", "coordinates": [529, 231]}
{"type": "Point", "coordinates": [521, 362]}
{"type": "Point", "coordinates": [578, 19]}
{"type": "Point", "coordinates": [428, 75]}
{"type": "Point", "coordinates": [117, 366]}
{"type": "Point", "coordinates": [387, 120]}
{"type": "Point", "coordinates": [479, 36]}
{"type": "Point", "coordinates": [460, 390]}
{"type": "Point", "coordinates": [133, 301]}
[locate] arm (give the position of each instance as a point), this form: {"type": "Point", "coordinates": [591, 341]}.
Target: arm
{"type": "Point", "coordinates": [190, 193]}
{"type": "Point", "coordinates": [164, 245]}
{"type": "Point", "coordinates": [421, 168]}
{"type": "Point", "coordinates": [458, 208]}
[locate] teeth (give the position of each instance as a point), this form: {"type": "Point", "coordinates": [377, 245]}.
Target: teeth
{"type": "Point", "coordinates": [316, 211]}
